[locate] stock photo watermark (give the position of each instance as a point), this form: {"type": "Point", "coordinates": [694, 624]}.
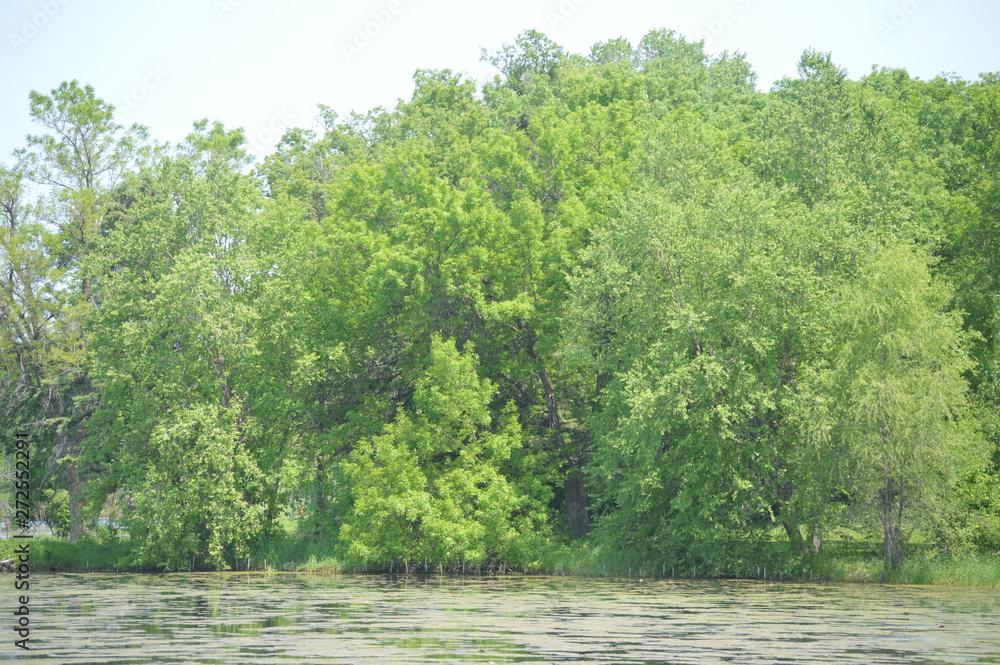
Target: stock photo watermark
{"type": "Point", "coordinates": [35, 23]}
{"type": "Point", "coordinates": [563, 11]}
{"type": "Point", "coordinates": [366, 34]}
{"type": "Point", "coordinates": [20, 564]}
{"type": "Point", "coordinates": [225, 7]}
{"type": "Point", "coordinates": [899, 16]}
{"type": "Point", "coordinates": [152, 77]}
{"type": "Point", "coordinates": [716, 26]}
{"type": "Point", "coordinates": [264, 138]}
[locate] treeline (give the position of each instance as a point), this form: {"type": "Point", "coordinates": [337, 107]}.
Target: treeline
{"type": "Point", "coordinates": [622, 296]}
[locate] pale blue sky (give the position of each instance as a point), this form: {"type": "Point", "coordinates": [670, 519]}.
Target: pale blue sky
{"type": "Point", "coordinates": [265, 65]}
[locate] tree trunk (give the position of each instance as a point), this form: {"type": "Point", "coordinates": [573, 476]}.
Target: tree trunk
{"type": "Point", "coordinates": [66, 444]}
{"type": "Point", "coordinates": [817, 539]}
{"type": "Point", "coordinates": [574, 489]}
{"type": "Point", "coordinates": [795, 537]}
{"type": "Point", "coordinates": [891, 516]}
{"type": "Point", "coordinates": [75, 501]}
{"type": "Point", "coordinates": [272, 500]}
{"type": "Point", "coordinates": [320, 496]}
{"type": "Point", "coordinates": [893, 545]}
{"type": "Point", "coordinates": [575, 492]}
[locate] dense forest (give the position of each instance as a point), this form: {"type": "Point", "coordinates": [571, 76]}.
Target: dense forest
{"type": "Point", "coordinates": [622, 299]}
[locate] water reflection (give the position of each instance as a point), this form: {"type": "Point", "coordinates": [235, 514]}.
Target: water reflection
{"type": "Point", "coordinates": [299, 618]}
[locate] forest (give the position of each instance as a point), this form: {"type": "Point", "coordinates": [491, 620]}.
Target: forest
{"type": "Point", "coordinates": [623, 302]}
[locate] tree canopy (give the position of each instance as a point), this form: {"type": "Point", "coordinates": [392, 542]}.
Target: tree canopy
{"type": "Point", "coordinates": [623, 297]}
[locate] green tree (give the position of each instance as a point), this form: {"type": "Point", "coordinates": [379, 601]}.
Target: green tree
{"type": "Point", "coordinates": [695, 311]}
{"type": "Point", "coordinates": [531, 56]}
{"type": "Point", "coordinates": [434, 484]}
{"type": "Point", "coordinates": [174, 355]}
{"type": "Point", "coordinates": [887, 416]}
{"type": "Point", "coordinates": [80, 159]}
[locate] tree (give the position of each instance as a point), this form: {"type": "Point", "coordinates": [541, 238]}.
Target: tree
{"type": "Point", "coordinates": [887, 417]}
{"type": "Point", "coordinates": [28, 303]}
{"type": "Point", "coordinates": [79, 161]}
{"type": "Point", "coordinates": [613, 51]}
{"type": "Point", "coordinates": [695, 312]}
{"type": "Point", "coordinates": [531, 55]}
{"type": "Point", "coordinates": [83, 157]}
{"type": "Point", "coordinates": [175, 358]}
{"type": "Point", "coordinates": [433, 484]}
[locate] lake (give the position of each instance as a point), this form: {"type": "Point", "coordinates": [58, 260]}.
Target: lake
{"type": "Point", "coordinates": [311, 618]}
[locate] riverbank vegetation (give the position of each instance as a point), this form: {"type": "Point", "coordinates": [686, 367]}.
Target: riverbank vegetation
{"type": "Point", "coordinates": [618, 309]}
{"type": "Point", "coordinates": [840, 562]}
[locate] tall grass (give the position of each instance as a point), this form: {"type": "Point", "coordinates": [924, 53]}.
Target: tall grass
{"type": "Point", "coordinates": [86, 555]}
{"type": "Point", "coordinates": [292, 553]}
{"type": "Point", "coordinates": [957, 570]}
{"type": "Point", "coordinates": [840, 562]}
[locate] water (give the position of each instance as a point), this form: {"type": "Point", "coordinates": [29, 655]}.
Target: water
{"type": "Point", "coordinates": [301, 618]}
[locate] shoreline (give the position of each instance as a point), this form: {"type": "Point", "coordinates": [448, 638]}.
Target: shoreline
{"type": "Point", "coordinates": [925, 568]}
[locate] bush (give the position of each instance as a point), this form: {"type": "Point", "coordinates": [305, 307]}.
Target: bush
{"type": "Point", "coordinates": [56, 507]}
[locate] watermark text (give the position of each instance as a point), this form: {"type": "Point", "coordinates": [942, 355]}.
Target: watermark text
{"type": "Point", "coordinates": [32, 25]}
{"type": "Point", "coordinates": [899, 16]}
{"type": "Point", "coordinates": [364, 35]}
{"type": "Point", "coordinates": [153, 76]}
{"type": "Point", "coordinates": [716, 26]}
{"type": "Point", "coordinates": [21, 563]}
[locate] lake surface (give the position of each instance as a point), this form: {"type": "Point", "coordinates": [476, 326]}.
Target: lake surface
{"type": "Point", "coordinates": [303, 618]}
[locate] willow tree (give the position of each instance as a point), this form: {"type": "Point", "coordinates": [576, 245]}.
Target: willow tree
{"type": "Point", "coordinates": [888, 415]}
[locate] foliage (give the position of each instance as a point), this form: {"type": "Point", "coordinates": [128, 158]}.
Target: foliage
{"type": "Point", "coordinates": [889, 408]}
{"type": "Point", "coordinates": [625, 293]}
{"type": "Point", "coordinates": [432, 485]}
{"type": "Point", "coordinates": [57, 511]}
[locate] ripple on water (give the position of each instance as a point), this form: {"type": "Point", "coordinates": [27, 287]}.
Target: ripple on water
{"type": "Point", "coordinates": [257, 618]}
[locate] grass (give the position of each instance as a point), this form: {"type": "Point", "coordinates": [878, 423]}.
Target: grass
{"type": "Point", "coordinates": [959, 570]}
{"type": "Point", "coordinates": [847, 560]}
{"type": "Point", "coordinates": [973, 569]}
{"type": "Point", "coordinates": [843, 560]}
{"type": "Point", "coordinates": [296, 554]}
{"type": "Point", "coordinates": [86, 555]}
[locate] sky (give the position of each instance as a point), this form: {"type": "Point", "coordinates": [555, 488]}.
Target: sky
{"type": "Point", "coordinates": [266, 66]}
